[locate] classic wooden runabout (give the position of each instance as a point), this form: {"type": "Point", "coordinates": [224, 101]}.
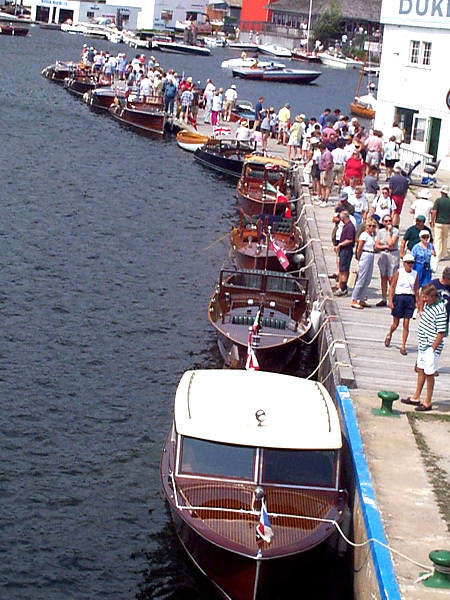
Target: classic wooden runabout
{"type": "Point", "coordinates": [250, 241]}
{"type": "Point", "coordinates": [249, 450]}
{"type": "Point", "coordinates": [282, 303]}
{"type": "Point", "coordinates": [262, 179]}
{"type": "Point", "coordinates": [146, 115]}
{"type": "Point", "coordinates": [59, 71]}
{"type": "Point", "coordinates": [225, 156]}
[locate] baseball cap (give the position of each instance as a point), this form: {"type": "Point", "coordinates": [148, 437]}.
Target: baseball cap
{"type": "Point", "coordinates": [408, 257]}
{"type": "Point", "coordinates": [444, 189]}
{"type": "Point", "coordinates": [397, 169]}
{"type": "Point", "coordinates": [343, 196]}
{"type": "Point", "coordinates": [421, 218]}
{"type": "Point", "coordinates": [424, 194]}
{"type": "Point", "coordinates": [424, 233]}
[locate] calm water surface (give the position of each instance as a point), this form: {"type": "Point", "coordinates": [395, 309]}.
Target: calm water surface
{"type": "Point", "coordinates": [104, 288]}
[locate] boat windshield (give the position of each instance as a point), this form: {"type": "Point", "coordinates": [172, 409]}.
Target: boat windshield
{"type": "Point", "coordinates": [212, 459]}
{"type": "Point", "coordinates": [299, 467]}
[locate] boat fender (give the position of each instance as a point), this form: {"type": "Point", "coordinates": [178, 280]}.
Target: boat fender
{"type": "Point", "coordinates": [315, 317]}
{"type": "Point", "coordinates": [298, 258]}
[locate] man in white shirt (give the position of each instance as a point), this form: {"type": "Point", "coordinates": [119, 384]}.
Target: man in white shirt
{"type": "Point", "coordinates": [422, 205]}
{"type": "Point", "coordinates": [243, 133]}
{"type": "Point", "coordinates": [229, 102]}
{"type": "Point", "coordinates": [208, 94]}
{"type": "Point", "coordinates": [397, 133]}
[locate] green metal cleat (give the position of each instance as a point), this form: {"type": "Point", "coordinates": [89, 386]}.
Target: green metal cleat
{"type": "Point", "coordinates": [387, 399]}
{"type": "Point", "coordinates": [441, 575]}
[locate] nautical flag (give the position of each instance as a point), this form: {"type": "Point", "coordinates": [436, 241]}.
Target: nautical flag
{"type": "Point", "coordinates": [251, 364]}
{"type": "Point", "coordinates": [221, 131]}
{"type": "Point", "coordinates": [263, 529]}
{"type": "Point", "coordinates": [280, 253]}
{"type": "Point", "coordinates": [282, 199]}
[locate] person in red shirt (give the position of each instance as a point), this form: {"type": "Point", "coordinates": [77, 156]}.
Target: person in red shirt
{"type": "Point", "coordinates": [354, 168]}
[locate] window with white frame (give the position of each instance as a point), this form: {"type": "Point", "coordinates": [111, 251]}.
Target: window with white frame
{"type": "Point", "coordinates": [420, 53]}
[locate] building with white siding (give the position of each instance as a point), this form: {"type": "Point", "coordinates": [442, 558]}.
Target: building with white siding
{"type": "Point", "coordinates": [414, 85]}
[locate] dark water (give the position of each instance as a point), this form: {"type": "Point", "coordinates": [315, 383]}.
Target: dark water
{"type": "Point", "coordinates": [104, 288]}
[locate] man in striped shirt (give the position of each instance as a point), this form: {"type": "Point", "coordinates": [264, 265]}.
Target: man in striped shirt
{"type": "Point", "coordinates": [430, 333]}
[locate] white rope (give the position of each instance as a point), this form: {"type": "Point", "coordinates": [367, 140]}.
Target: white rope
{"type": "Point", "coordinates": [322, 360]}
{"type": "Point", "coordinates": [299, 517]}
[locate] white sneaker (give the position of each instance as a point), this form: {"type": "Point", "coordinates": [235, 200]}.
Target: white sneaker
{"type": "Point", "coordinates": [323, 203]}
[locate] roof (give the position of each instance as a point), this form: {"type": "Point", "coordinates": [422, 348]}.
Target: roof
{"type": "Point", "coordinates": [220, 405]}
{"type": "Point", "coordinates": [267, 160]}
{"type": "Point", "coordinates": [351, 9]}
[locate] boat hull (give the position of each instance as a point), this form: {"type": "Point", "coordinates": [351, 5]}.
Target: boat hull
{"type": "Point", "coordinates": [251, 206]}
{"type": "Point", "coordinates": [362, 111]}
{"type": "Point", "coordinates": [59, 72]}
{"type": "Point", "coordinates": [222, 164]}
{"type": "Point", "coordinates": [13, 30]}
{"type": "Point", "coordinates": [278, 75]}
{"type": "Point", "coordinates": [182, 48]}
{"type": "Point", "coordinates": [144, 121]}
{"type": "Point", "coordinates": [100, 98]}
{"type": "Point", "coordinates": [79, 87]}
{"type": "Point", "coordinates": [191, 141]}
{"type": "Point", "coordinates": [304, 57]}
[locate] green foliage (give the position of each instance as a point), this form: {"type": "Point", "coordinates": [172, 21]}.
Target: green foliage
{"type": "Point", "coordinates": [328, 25]}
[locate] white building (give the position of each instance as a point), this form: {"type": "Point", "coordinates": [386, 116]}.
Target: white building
{"type": "Point", "coordinates": [135, 14]}
{"type": "Point", "coordinates": [414, 86]}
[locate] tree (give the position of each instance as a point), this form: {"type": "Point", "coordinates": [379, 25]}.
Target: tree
{"type": "Point", "coordinates": [328, 25]}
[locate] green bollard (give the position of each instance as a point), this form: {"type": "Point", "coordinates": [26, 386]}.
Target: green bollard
{"type": "Point", "coordinates": [441, 575]}
{"type": "Point", "coordinates": [387, 399]}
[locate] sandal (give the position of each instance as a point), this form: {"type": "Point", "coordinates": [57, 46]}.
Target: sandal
{"type": "Point", "coordinates": [410, 401]}
{"type": "Point", "coordinates": [356, 305]}
{"type": "Point", "coordinates": [387, 340]}
{"type": "Point", "coordinates": [422, 408]}
{"type": "Point", "coordinates": [403, 352]}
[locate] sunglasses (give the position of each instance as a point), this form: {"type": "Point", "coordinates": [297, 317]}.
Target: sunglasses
{"type": "Point", "coordinates": [387, 220]}
{"type": "Point", "coordinates": [408, 262]}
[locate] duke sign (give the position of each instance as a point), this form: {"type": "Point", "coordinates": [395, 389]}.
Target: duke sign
{"type": "Point", "coordinates": [420, 13]}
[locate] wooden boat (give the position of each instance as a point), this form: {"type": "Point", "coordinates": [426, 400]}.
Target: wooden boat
{"type": "Point", "coordinates": [225, 156]}
{"type": "Point", "coordinates": [300, 54]}
{"type": "Point", "coordinates": [191, 140]}
{"type": "Point", "coordinates": [338, 61]}
{"type": "Point", "coordinates": [274, 50]}
{"type": "Point", "coordinates": [237, 299]}
{"type": "Point", "coordinates": [80, 82]}
{"type": "Point", "coordinates": [364, 106]}
{"type": "Point", "coordinates": [102, 97]}
{"type": "Point", "coordinates": [245, 46]}
{"type": "Point", "coordinates": [180, 48]}
{"type": "Point", "coordinates": [146, 116]}
{"type": "Point", "coordinates": [251, 244]}
{"type": "Point", "coordinates": [262, 179]}
{"type": "Point", "coordinates": [272, 73]}
{"type": "Point", "coordinates": [237, 63]}
{"type": "Point", "coordinates": [243, 110]}
{"type": "Point", "coordinates": [245, 445]}
{"type": "Point", "coordinates": [13, 30]}
{"type": "Point", "coordinates": [59, 71]}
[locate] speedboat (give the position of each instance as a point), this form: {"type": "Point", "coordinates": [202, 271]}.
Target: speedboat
{"type": "Point", "coordinates": [59, 71]}
{"type": "Point", "coordinates": [79, 83]}
{"type": "Point", "coordinates": [273, 73]}
{"type": "Point", "coordinates": [252, 470]}
{"type": "Point", "coordinates": [133, 40]}
{"type": "Point", "coordinates": [274, 50]}
{"type": "Point", "coordinates": [238, 63]}
{"type": "Point", "coordinates": [191, 140]}
{"type": "Point", "coordinates": [147, 116]}
{"type": "Point", "coordinates": [215, 42]}
{"type": "Point", "coordinates": [300, 54]}
{"type": "Point", "coordinates": [180, 48]}
{"type": "Point", "coordinates": [246, 46]}
{"type": "Point", "coordinates": [13, 29]}
{"type": "Point", "coordinates": [225, 156]}
{"type": "Point", "coordinates": [264, 185]}
{"type": "Point", "coordinates": [338, 61]}
{"type": "Point", "coordinates": [266, 241]}
{"type": "Point", "coordinates": [102, 97]}
{"type": "Point", "coordinates": [243, 110]}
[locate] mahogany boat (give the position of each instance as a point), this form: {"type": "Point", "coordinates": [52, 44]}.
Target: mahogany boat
{"type": "Point", "coordinates": [262, 181]}
{"type": "Point", "coordinates": [225, 156]}
{"type": "Point", "coordinates": [80, 82]}
{"type": "Point", "coordinates": [273, 73]}
{"type": "Point", "coordinates": [281, 303]}
{"type": "Point", "coordinates": [299, 54]}
{"type": "Point", "coordinates": [13, 30]}
{"type": "Point", "coordinates": [243, 110]}
{"type": "Point", "coordinates": [102, 97]}
{"type": "Point", "coordinates": [145, 116]}
{"type": "Point", "coordinates": [191, 140]}
{"type": "Point", "coordinates": [251, 242]}
{"type": "Point", "coordinates": [252, 472]}
{"type": "Point", "coordinates": [59, 71]}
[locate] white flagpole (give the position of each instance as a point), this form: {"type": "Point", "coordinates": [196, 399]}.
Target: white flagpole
{"type": "Point", "coordinates": [309, 25]}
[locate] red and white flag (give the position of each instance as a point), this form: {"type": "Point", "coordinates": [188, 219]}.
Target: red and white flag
{"type": "Point", "coordinates": [251, 364]}
{"type": "Point", "coordinates": [282, 199]}
{"type": "Point", "coordinates": [221, 131]}
{"type": "Point", "coordinates": [263, 529]}
{"type": "Point", "coordinates": [279, 253]}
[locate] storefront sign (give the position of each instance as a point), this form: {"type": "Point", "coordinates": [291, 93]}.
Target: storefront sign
{"type": "Point", "coordinates": [420, 13]}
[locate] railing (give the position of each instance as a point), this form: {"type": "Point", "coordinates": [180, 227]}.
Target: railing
{"type": "Point", "coordinates": [408, 157]}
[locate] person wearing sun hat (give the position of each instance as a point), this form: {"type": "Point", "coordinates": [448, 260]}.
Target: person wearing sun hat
{"type": "Point", "coordinates": [403, 299]}
{"type": "Point", "coordinates": [422, 205]}
{"type": "Point", "coordinates": [422, 252]}
{"type": "Point", "coordinates": [412, 235]}
{"type": "Point", "coordinates": [440, 220]}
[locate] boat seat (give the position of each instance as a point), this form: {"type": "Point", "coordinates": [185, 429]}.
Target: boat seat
{"type": "Point", "coordinates": [248, 320]}
{"type": "Point", "coordinates": [283, 226]}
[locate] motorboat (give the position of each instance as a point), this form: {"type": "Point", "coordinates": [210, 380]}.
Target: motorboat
{"type": "Point", "coordinates": [266, 242]}
{"type": "Point", "coordinates": [225, 156]}
{"type": "Point", "coordinates": [74, 29]}
{"type": "Point", "coordinates": [59, 71]}
{"type": "Point", "coordinates": [301, 54]}
{"type": "Point", "coordinates": [252, 470]}
{"type": "Point", "coordinates": [338, 61]}
{"type": "Point", "coordinates": [102, 97]}
{"type": "Point", "coordinates": [191, 140]}
{"type": "Point", "coordinates": [80, 82]}
{"type": "Point", "coordinates": [133, 40]}
{"type": "Point", "coordinates": [180, 48]}
{"type": "Point", "coordinates": [244, 46]}
{"type": "Point", "coordinates": [277, 302]}
{"type": "Point", "coordinates": [12, 29]}
{"type": "Point", "coordinates": [215, 42]}
{"type": "Point", "coordinates": [238, 63]}
{"type": "Point", "coordinates": [272, 73]}
{"type": "Point", "coordinates": [145, 115]}
{"type": "Point", "coordinates": [243, 110]}
{"type": "Point", "coordinates": [264, 186]}
{"type": "Point", "coordinates": [274, 50]}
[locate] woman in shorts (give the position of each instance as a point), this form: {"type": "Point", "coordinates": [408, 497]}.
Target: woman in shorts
{"type": "Point", "coordinates": [403, 299]}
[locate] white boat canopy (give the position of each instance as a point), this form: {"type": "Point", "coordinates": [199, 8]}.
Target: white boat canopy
{"type": "Point", "coordinates": [221, 406]}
